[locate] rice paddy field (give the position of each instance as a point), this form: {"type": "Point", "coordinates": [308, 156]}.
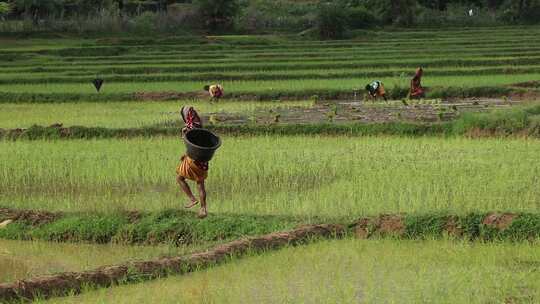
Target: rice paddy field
{"type": "Point", "coordinates": [305, 176]}
{"type": "Point", "coordinates": [353, 271]}
{"type": "Point", "coordinates": [312, 178]}
{"type": "Point", "coordinates": [275, 65]}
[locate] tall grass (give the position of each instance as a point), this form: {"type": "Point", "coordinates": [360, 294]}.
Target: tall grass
{"type": "Point", "coordinates": [353, 271]}
{"type": "Point", "coordinates": [307, 176]}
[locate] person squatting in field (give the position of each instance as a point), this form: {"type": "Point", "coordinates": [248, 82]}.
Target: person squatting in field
{"type": "Point", "coordinates": [376, 89]}
{"type": "Point", "coordinates": [190, 168]}
{"type": "Point", "coordinates": [216, 91]}
{"type": "Point", "coordinates": [417, 91]}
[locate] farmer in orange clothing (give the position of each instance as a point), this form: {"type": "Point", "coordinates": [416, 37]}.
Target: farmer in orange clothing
{"type": "Point", "coordinates": [190, 168]}
{"type": "Point", "coordinates": [417, 91]}
{"type": "Point", "coordinates": [216, 91]}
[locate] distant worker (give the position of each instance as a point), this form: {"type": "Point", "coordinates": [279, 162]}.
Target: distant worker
{"type": "Point", "coordinates": [216, 91]}
{"type": "Point", "coordinates": [376, 89]}
{"type": "Point", "coordinates": [190, 168]}
{"type": "Point", "coordinates": [417, 91]}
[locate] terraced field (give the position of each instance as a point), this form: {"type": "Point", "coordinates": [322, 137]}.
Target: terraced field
{"type": "Point", "coordinates": [301, 145]}
{"type": "Point", "coordinates": [270, 67]}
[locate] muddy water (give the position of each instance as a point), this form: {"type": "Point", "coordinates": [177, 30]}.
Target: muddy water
{"type": "Point", "coordinates": [25, 259]}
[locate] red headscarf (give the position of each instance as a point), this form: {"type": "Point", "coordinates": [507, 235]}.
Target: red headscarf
{"type": "Point", "coordinates": [191, 118]}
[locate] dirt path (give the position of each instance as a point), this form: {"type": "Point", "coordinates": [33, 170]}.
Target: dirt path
{"type": "Point", "coordinates": [346, 111]}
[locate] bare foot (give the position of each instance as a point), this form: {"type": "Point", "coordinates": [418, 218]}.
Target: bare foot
{"type": "Point", "coordinates": [203, 213]}
{"type": "Point", "coordinates": [190, 205]}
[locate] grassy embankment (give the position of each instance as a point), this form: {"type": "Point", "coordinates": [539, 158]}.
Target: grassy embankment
{"type": "Point", "coordinates": [177, 228]}
{"type": "Point", "coordinates": [184, 230]}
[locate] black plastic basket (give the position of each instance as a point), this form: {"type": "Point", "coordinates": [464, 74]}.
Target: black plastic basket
{"type": "Point", "coordinates": [201, 144]}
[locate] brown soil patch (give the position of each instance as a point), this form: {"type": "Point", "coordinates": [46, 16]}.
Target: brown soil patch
{"type": "Point", "coordinates": [391, 224]}
{"type": "Point", "coordinates": [34, 218]}
{"type": "Point", "coordinates": [362, 228]}
{"type": "Point", "coordinates": [499, 221]}
{"type": "Point", "coordinates": [347, 111]}
{"type": "Point", "coordinates": [134, 216]}
{"type": "Point", "coordinates": [383, 225]}
{"type": "Point", "coordinates": [170, 95]}
{"type": "Point", "coordinates": [72, 282]}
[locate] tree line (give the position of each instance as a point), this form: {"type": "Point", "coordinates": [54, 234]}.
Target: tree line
{"type": "Point", "coordinates": [330, 18]}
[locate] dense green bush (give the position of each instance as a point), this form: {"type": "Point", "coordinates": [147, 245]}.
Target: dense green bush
{"type": "Point", "coordinates": [331, 21]}
{"type": "Point", "coordinates": [360, 17]}
{"type": "Point", "coordinates": [264, 15]}
{"type": "Point", "coordinates": [37, 9]}
{"type": "Point", "coordinates": [218, 15]}
{"type": "Point", "coordinates": [5, 8]}
{"type": "Point", "coordinates": [532, 14]}
{"type": "Point", "coordinates": [145, 23]}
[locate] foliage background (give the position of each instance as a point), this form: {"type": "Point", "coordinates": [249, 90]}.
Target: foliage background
{"type": "Point", "coordinates": [326, 19]}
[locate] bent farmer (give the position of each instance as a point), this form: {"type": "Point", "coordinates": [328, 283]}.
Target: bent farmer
{"type": "Point", "coordinates": [216, 91]}
{"type": "Point", "coordinates": [376, 89]}
{"type": "Point", "coordinates": [417, 91]}
{"type": "Point", "coordinates": [190, 168]}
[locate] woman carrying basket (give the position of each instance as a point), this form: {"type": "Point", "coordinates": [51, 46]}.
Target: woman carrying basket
{"type": "Point", "coordinates": [192, 169]}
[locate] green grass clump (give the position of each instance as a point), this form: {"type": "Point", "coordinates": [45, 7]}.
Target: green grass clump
{"type": "Point", "coordinates": [471, 224]}
{"type": "Point", "coordinates": [502, 122]}
{"type": "Point", "coordinates": [172, 226]}
{"type": "Point", "coordinates": [16, 231]}
{"type": "Point", "coordinates": [425, 226]}
{"type": "Point", "coordinates": [524, 227]}
{"type": "Point", "coordinates": [81, 228]}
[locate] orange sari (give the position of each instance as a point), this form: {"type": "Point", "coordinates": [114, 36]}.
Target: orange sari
{"type": "Point", "coordinates": [191, 169]}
